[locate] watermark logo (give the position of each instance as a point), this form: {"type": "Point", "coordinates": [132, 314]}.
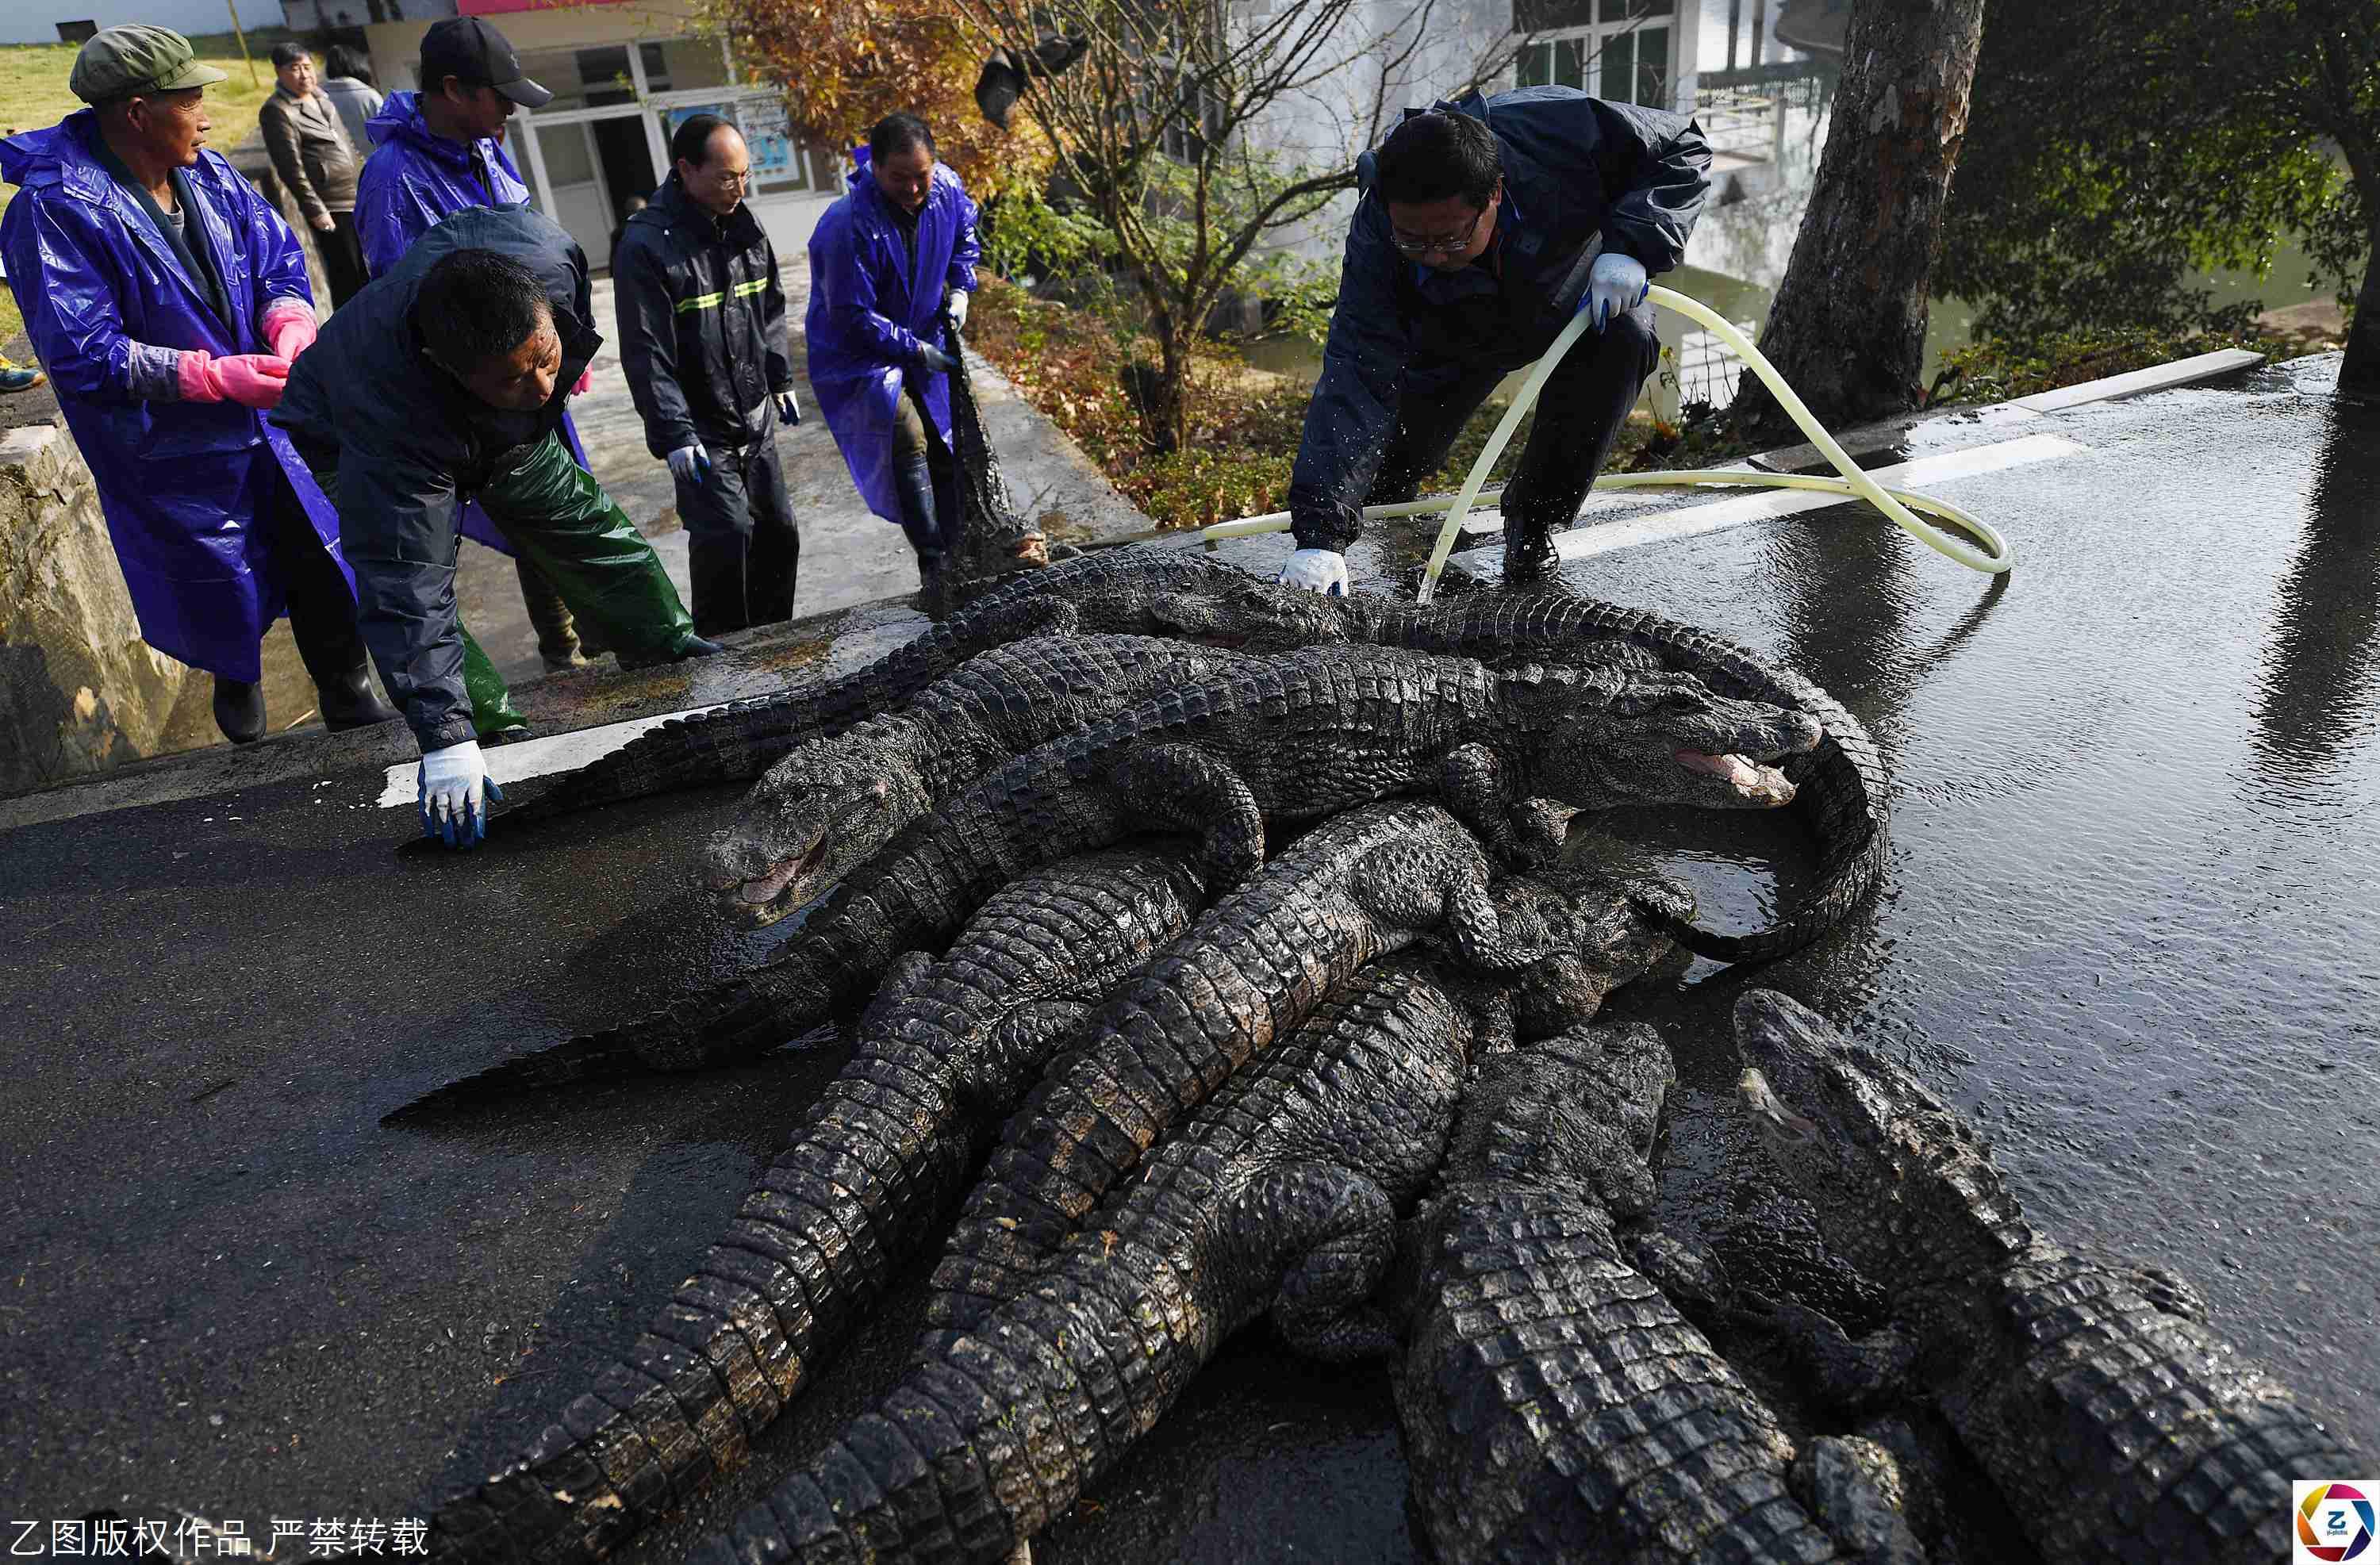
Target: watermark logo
{"type": "Point", "coordinates": [2335, 1520]}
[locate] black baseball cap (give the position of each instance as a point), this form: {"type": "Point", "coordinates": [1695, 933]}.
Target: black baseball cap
{"type": "Point", "coordinates": [476, 54]}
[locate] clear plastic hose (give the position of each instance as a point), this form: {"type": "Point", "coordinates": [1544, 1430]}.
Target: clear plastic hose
{"type": "Point", "coordinates": [1900, 505]}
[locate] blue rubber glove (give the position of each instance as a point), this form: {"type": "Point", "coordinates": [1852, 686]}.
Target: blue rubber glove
{"type": "Point", "coordinates": [789, 412]}
{"type": "Point", "coordinates": [934, 359]}
{"type": "Point", "coordinates": [1317, 570]}
{"type": "Point", "coordinates": [1615, 285]}
{"type": "Point", "coordinates": [690, 464]}
{"type": "Point", "coordinates": [456, 792]}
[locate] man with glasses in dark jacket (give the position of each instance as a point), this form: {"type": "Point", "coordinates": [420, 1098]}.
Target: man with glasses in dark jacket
{"type": "Point", "coordinates": [702, 340]}
{"type": "Point", "coordinates": [1484, 226]}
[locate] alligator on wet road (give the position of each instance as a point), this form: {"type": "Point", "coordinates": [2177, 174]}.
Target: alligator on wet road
{"type": "Point", "coordinates": [1302, 737]}
{"type": "Point", "coordinates": [1280, 1192]}
{"type": "Point", "coordinates": [1134, 591]}
{"type": "Point", "coordinates": [1364, 884]}
{"type": "Point", "coordinates": [2114, 1422]}
{"type": "Point", "coordinates": [944, 1052]}
{"type": "Point", "coordinates": [831, 803]}
{"type": "Point", "coordinates": [1556, 1405]}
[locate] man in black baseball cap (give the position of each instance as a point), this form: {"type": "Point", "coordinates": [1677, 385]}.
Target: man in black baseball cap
{"type": "Point", "coordinates": [435, 152]}
{"type": "Point", "coordinates": [476, 54]}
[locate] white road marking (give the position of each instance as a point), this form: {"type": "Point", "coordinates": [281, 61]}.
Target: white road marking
{"type": "Point", "coordinates": [536, 758]}
{"type": "Point", "coordinates": [1582, 542]}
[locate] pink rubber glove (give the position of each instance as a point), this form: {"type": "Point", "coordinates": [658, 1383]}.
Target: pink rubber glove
{"type": "Point", "coordinates": [289, 327]}
{"type": "Point", "coordinates": [586, 379]}
{"type": "Point", "coordinates": [252, 380]}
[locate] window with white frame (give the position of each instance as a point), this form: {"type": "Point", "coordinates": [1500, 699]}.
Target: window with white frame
{"type": "Point", "coordinates": [1615, 49]}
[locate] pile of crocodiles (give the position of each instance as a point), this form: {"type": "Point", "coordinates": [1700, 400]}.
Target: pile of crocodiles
{"type": "Point", "coordinates": [1210, 952]}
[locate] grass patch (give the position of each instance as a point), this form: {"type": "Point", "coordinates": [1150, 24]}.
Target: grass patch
{"type": "Point", "coordinates": [33, 95]}
{"type": "Point", "coordinates": [1074, 367]}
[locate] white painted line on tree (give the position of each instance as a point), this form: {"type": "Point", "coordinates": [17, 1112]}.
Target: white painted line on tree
{"type": "Point", "coordinates": [1582, 542]}
{"type": "Point", "coordinates": [536, 758]}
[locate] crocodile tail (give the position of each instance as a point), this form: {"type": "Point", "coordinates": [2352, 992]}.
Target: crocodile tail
{"type": "Point", "coordinates": [848, 1200]}
{"type": "Point", "coordinates": [732, 743]}
{"type": "Point", "coordinates": [740, 1019]}
{"type": "Point", "coordinates": [743, 739]}
{"type": "Point", "coordinates": [982, 1447]}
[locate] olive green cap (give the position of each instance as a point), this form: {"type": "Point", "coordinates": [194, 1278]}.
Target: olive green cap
{"type": "Point", "coordinates": [118, 61]}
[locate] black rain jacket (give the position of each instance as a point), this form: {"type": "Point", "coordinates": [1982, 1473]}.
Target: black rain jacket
{"type": "Point", "coordinates": [702, 323]}
{"type": "Point", "coordinates": [398, 444]}
{"type": "Point", "coordinates": [1576, 169]}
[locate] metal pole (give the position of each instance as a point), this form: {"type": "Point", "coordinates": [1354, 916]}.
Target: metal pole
{"type": "Point", "coordinates": [244, 55]}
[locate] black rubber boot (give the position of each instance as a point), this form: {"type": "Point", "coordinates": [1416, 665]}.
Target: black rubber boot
{"type": "Point", "coordinates": [1530, 562]}
{"type": "Point", "coordinates": [347, 701]}
{"type": "Point", "coordinates": [240, 711]}
{"type": "Point", "coordinates": [913, 481]}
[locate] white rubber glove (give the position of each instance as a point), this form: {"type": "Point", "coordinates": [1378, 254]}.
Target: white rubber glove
{"type": "Point", "coordinates": [789, 412]}
{"type": "Point", "coordinates": [957, 308]}
{"type": "Point", "coordinates": [1615, 285]}
{"type": "Point", "coordinates": [1317, 570]}
{"type": "Point", "coordinates": [690, 464]}
{"type": "Point", "coordinates": [456, 792]}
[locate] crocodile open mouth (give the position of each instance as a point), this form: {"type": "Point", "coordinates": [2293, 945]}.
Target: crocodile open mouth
{"type": "Point", "coordinates": [1750, 778]}
{"type": "Point", "coordinates": [760, 893]}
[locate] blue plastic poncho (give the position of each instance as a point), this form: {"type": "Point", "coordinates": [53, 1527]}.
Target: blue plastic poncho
{"type": "Point", "coordinates": [413, 178]}
{"type": "Point", "coordinates": [109, 308]}
{"type": "Point", "coordinates": [869, 316]}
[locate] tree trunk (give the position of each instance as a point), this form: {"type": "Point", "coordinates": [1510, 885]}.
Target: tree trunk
{"type": "Point", "coordinates": [2360, 374]}
{"type": "Point", "coordinates": [1848, 326]}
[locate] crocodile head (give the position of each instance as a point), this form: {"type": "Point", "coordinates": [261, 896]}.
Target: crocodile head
{"type": "Point", "coordinates": [1242, 611]}
{"type": "Point", "coordinates": [1599, 926]}
{"type": "Point", "coordinates": [1630, 737]}
{"type": "Point", "coordinates": [1574, 1113]}
{"type": "Point", "coordinates": [1903, 1187]}
{"type": "Point", "coordinates": [806, 823]}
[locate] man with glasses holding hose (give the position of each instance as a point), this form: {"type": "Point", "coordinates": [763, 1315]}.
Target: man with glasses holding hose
{"type": "Point", "coordinates": [1485, 225]}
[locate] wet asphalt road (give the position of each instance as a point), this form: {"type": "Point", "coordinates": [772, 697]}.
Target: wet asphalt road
{"type": "Point", "coordinates": [2129, 923]}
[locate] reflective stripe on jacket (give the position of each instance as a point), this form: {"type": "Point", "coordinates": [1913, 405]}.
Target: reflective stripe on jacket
{"type": "Point", "coordinates": [701, 323]}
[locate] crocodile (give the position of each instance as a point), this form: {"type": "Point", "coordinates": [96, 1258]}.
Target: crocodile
{"type": "Point", "coordinates": [1843, 791]}
{"type": "Point", "coordinates": [832, 802]}
{"type": "Point", "coordinates": [1366, 883]}
{"type": "Point", "coordinates": [1307, 735]}
{"type": "Point", "coordinates": [1556, 1405]}
{"type": "Point", "coordinates": [945, 1050]}
{"type": "Point", "coordinates": [2113, 1422]}
{"type": "Point", "coordinates": [1144, 591]}
{"type": "Point", "coordinates": [1280, 1192]}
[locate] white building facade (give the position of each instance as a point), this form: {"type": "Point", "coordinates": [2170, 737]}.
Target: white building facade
{"type": "Point", "coordinates": [624, 74]}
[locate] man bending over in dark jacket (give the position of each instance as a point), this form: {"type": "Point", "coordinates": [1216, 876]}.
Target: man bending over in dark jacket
{"type": "Point", "coordinates": [1486, 224]}
{"type": "Point", "coordinates": [444, 380]}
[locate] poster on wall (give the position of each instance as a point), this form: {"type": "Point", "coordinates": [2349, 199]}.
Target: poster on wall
{"type": "Point", "coordinates": [763, 124]}
{"type": "Point", "coordinates": [766, 135]}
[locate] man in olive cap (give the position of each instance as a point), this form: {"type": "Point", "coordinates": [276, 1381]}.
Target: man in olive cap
{"type": "Point", "coordinates": [167, 299]}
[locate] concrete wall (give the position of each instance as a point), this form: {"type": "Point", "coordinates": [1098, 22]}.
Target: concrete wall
{"type": "Point", "coordinates": [80, 691]}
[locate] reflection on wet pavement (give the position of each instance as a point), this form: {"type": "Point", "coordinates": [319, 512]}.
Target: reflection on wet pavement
{"type": "Point", "coordinates": [2129, 916]}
